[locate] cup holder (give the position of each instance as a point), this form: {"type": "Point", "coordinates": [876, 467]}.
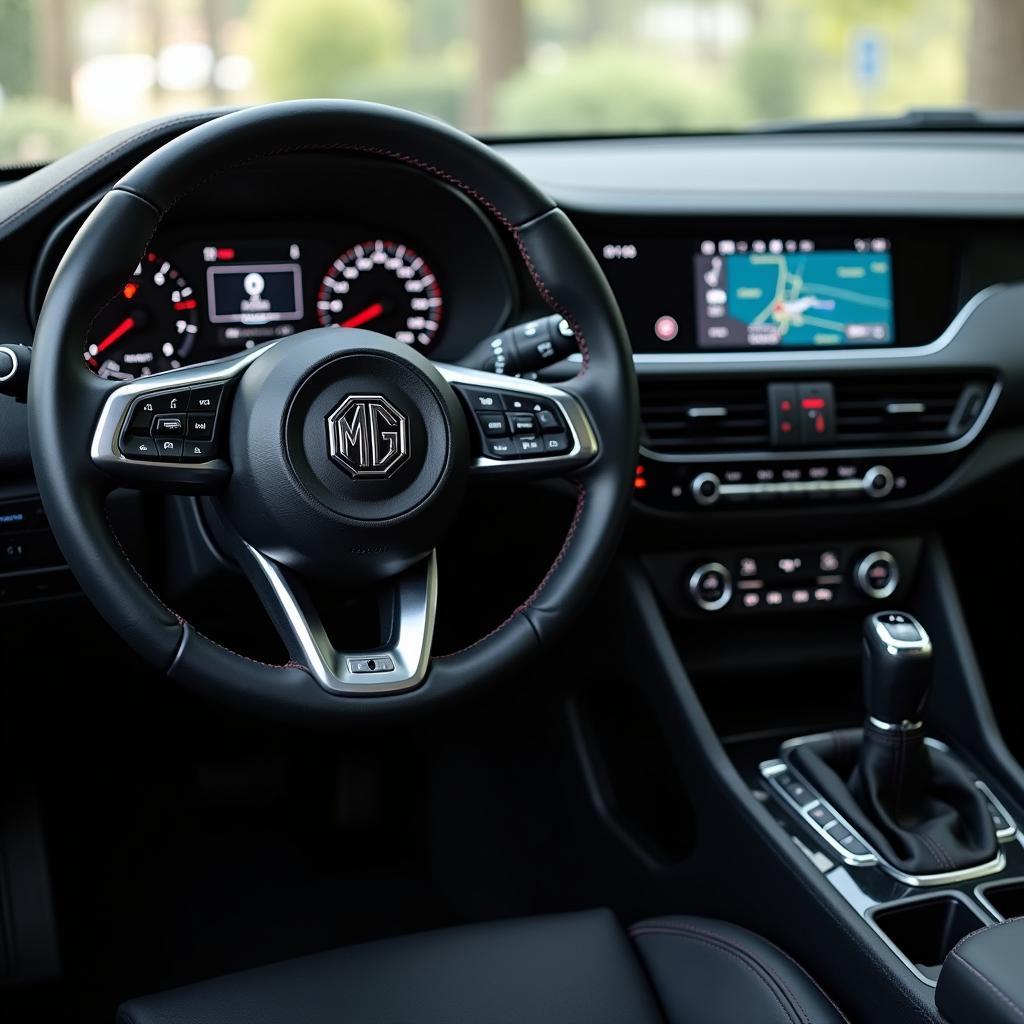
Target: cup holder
{"type": "Point", "coordinates": [923, 929]}
{"type": "Point", "coordinates": [1005, 898]}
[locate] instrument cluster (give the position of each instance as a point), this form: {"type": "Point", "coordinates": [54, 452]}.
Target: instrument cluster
{"type": "Point", "coordinates": [209, 298]}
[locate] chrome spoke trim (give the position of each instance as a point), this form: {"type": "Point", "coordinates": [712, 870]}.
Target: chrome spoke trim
{"type": "Point", "coordinates": [354, 673]}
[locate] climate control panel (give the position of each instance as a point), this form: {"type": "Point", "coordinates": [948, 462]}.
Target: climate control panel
{"type": "Point", "coordinates": [767, 580]}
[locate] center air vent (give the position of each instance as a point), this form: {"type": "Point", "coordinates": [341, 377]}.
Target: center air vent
{"type": "Point", "coordinates": [921, 409]}
{"type": "Point", "coordinates": [699, 416]}
{"type": "Point", "coordinates": [684, 416]}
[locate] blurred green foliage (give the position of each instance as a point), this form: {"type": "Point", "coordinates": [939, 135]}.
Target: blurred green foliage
{"type": "Point", "coordinates": [308, 48]}
{"type": "Point", "coordinates": [611, 89]}
{"type": "Point", "coordinates": [36, 130]}
{"type": "Point", "coordinates": [17, 55]}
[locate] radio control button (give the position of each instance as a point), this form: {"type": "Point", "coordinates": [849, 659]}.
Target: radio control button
{"type": "Point", "coordinates": [710, 586]}
{"type": "Point", "coordinates": [878, 482]}
{"type": "Point", "coordinates": [705, 488]}
{"type": "Point", "coordinates": [878, 574]}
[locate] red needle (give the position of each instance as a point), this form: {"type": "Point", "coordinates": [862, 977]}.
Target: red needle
{"type": "Point", "coordinates": [118, 332]}
{"type": "Point", "coordinates": [363, 316]}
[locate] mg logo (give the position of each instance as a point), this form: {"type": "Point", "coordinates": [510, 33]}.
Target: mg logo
{"type": "Point", "coordinates": [368, 436]}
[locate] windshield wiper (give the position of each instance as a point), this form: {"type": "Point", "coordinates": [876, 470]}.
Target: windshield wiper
{"type": "Point", "coordinates": [954, 119]}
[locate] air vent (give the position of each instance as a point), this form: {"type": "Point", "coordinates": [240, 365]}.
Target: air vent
{"type": "Point", "coordinates": [698, 416]}
{"type": "Point", "coordinates": [906, 410]}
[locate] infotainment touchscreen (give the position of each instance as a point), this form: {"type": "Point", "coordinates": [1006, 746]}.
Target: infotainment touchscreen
{"type": "Point", "coordinates": [774, 293]}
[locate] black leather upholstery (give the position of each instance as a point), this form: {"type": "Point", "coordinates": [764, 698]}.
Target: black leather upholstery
{"type": "Point", "coordinates": [570, 969]}
{"type": "Point", "coordinates": [981, 979]}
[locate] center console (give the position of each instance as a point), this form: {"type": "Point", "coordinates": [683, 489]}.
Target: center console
{"type": "Point", "coordinates": [902, 825]}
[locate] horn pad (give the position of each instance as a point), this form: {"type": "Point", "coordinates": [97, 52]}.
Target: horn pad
{"type": "Point", "coordinates": [349, 452]}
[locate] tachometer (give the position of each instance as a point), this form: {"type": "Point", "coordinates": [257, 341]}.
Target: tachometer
{"type": "Point", "coordinates": [386, 287]}
{"type": "Point", "coordinates": [150, 326]}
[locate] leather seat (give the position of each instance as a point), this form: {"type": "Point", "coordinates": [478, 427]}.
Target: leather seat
{"type": "Point", "coordinates": [577, 968]}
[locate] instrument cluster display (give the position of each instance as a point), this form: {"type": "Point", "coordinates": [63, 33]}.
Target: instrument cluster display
{"type": "Point", "coordinates": [208, 298]}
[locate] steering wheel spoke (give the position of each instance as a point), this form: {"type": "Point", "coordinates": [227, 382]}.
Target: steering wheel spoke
{"type": "Point", "coordinates": [169, 431]}
{"type": "Point", "coordinates": [523, 429]}
{"type": "Point", "coordinates": [407, 609]}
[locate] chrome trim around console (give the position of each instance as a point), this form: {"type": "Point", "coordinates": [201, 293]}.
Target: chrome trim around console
{"type": "Point", "coordinates": [783, 763]}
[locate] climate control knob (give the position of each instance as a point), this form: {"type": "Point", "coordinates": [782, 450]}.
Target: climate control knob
{"type": "Point", "coordinates": [705, 488]}
{"type": "Point", "coordinates": [878, 574]}
{"type": "Point", "coordinates": [878, 482]}
{"type": "Point", "coordinates": [711, 586]}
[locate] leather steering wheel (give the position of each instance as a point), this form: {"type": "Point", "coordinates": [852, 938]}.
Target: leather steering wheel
{"type": "Point", "coordinates": [341, 454]}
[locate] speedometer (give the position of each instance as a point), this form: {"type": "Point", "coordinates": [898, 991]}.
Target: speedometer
{"type": "Point", "coordinates": [149, 326]}
{"type": "Point", "coordinates": [386, 287]}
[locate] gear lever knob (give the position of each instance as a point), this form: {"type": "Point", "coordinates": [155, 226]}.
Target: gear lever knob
{"type": "Point", "coordinates": [897, 669]}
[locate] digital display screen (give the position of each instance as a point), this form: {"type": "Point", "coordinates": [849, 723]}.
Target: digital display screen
{"type": "Point", "coordinates": [793, 293]}
{"type": "Point", "coordinates": [254, 293]}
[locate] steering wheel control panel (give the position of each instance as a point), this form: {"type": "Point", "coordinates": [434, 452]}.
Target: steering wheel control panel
{"type": "Point", "coordinates": [759, 581]}
{"type": "Point", "coordinates": [511, 426]}
{"type": "Point", "coordinates": [179, 425]}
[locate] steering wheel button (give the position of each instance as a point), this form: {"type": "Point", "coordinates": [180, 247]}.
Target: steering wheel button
{"type": "Point", "coordinates": [492, 424]}
{"type": "Point", "coordinates": [168, 426]}
{"type": "Point", "coordinates": [555, 444]}
{"type": "Point", "coordinates": [205, 399]}
{"type": "Point", "coordinates": [528, 445]}
{"type": "Point", "coordinates": [139, 447]}
{"type": "Point", "coordinates": [522, 423]}
{"type": "Point", "coordinates": [498, 448]}
{"type": "Point", "coordinates": [548, 421]}
{"type": "Point", "coordinates": [480, 400]}
{"type": "Point", "coordinates": [200, 427]}
{"type": "Point", "coordinates": [197, 451]}
{"type": "Point", "coordinates": [168, 448]}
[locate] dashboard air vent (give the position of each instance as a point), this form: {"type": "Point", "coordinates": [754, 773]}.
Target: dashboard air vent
{"type": "Point", "coordinates": [696, 416]}
{"type": "Point", "coordinates": [906, 410]}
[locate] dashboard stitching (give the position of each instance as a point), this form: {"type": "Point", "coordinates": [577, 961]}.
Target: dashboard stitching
{"type": "Point", "coordinates": [106, 156]}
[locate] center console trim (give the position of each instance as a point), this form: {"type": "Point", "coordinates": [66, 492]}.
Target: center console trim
{"type": "Point", "coordinates": [771, 768]}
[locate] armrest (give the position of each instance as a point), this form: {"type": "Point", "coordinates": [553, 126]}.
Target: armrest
{"type": "Point", "coordinates": [981, 981]}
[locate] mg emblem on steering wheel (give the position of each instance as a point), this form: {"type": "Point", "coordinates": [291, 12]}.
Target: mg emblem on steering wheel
{"type": "Point", "coordinates": [368, 436]}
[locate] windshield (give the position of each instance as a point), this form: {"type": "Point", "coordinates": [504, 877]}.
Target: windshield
{"type": "Point", "coordinates": [71, 70]}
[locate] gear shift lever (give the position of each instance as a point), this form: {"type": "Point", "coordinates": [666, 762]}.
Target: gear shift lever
{"type": "Point", "coordinates": [916, 805]}
{"type": "Point", "coordinates": [897, 671]}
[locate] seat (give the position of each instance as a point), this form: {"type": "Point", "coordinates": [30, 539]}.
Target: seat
{"type": "Point", "coordinates": [579, 968]}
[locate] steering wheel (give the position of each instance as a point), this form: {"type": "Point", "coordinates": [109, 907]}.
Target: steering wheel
{"type": "Point", "coordinates": [337, 454]}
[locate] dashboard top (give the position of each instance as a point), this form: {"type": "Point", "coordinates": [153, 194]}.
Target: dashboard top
{"type": "Point", "coordinates": [945, 174]}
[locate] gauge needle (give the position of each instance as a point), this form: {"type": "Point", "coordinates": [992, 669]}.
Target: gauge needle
{"type": "Point", "coordinates": [363, 316]}
{"type": "Point", "coordinates": [118, 332]}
